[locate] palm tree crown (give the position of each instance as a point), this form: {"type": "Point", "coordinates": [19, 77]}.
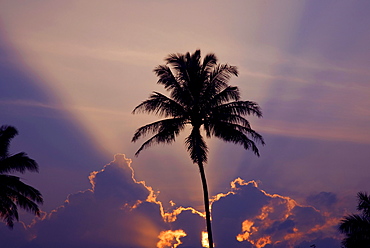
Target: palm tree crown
{"type": "Point", "coordinates": [356, 227]}
{"type": "Point", "coordinates": [201, 97]}
{"type": "Point", "coordinates": [13, 192]}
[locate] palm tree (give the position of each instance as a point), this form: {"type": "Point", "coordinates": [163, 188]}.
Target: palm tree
{"type": "Point", "coordinates": [13, 192]}
{"type": "Point", "coordinates": [201, 97]}
{"type": "Point", "coordinates": [356, 227]}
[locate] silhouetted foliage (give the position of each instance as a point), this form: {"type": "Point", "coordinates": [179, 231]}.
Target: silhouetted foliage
{"type": "Point", "coordinates": [356, 227]}
{"type": "Point", "coordinates": [201, 97]}
{"type": "Point", "coordinates": [13, 192]}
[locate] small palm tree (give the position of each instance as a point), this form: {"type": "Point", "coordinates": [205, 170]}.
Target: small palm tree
{"type": "Point", "coordinates": [356, 227]}
{"type": "Point", "coordinates": [13, 192]}
{"type": "Point", "coordinates": [201, 97]}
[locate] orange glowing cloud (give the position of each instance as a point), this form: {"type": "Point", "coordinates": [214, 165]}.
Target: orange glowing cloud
{"type": "Point", "coordinates": [205, 242]}
{"type": "Point", "coordinates": [248, 229]}
{"type": "Point", "coordinates": [170, 238]}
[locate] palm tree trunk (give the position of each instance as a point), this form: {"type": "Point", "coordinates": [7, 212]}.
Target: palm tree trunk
{"type": "Point", "coordinates": [206, 204]}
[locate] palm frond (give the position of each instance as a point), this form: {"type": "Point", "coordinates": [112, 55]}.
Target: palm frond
{"type": "Point", "coordinates": [197, 147]}
{"type": "Point", "coordinates": [19, 162]}
{"type": "Point", "coordinates": [176, 60]}
{"type": "Point", "coordinates": [218, 118]}
{"type": "Point", "coordinates": [220, 76]}
{"type": "Point", "coordinates": [240, 108]}
{"type": "Point", "coordinates": [173, 84]}
{"type": "Point", "coordinates": [225, 127]}
{"type": "Point", "coordinates": [178, 63]}
{"type": "Point", "coordinates": [353, 223]}
{"type": "Point", "coordinates": [364, 203]}
{"type": "Point", "coordinates": [158, 126]}
{"type": "Point", "coordinates": [13, 192]}
{"type": "Point", "coordinates": [230, 93]}
{"type": "Point", "coordinates": [161, 105]}
{"type": "Point", "coordinates": [7, 133]}
{"type": "Point", "coordinates": [166, 77]}
{"type": "Point", "coordinates": [16, 187]}
{"type": "Point", "coordinates": [16, 193]}
{"type": "Point", "coordinates": [356, 227]}
{"type": "Point", "coordinates": [27, 204]}
{"type": "Point", "coordinates": [166, 132]}
{"type": "Point", "coordinates": [194, 60]}
{"type": "Point", "coordinates": [238, 134]}
{"type": "Point", "coordinates": [209, 62]}
{"type": "Point", "coordinates": [222, 124]}
{"type": "Point", "coordinates": [8, 210]}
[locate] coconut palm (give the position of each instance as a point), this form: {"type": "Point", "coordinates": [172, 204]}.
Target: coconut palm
{"type": "Point", "coordinates": [200, 97]}
{"type": "Point", "coordinates": [13, 192]}
{"type": "Point", "coordinates": [356, 227]}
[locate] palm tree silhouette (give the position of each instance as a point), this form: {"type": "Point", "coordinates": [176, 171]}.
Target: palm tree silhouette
{"type": "Point", "coordinates": [13, 192]}
{"type": "Point", "coordinates": [356, 227]}
{"type": "Point", "coordinates": [201, 97]}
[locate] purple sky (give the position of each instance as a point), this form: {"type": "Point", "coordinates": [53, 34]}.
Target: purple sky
{"type": "Point", "coordinates": [72, 71]}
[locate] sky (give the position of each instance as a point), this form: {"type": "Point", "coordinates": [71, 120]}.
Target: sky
{"type": "Point", "coordinates": [71, 72]}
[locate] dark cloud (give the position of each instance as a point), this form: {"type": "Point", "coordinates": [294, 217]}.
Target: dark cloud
{"type": "Point", "coordinates": [116, 183]}
{"type": "Point", "coordinates": [252, 216]}
{"type": "Point", "coordinates": [326, 242]}
{"type": "Point", "coordinates": [229, 213]}
{"type": "Point", "coordinates": [322, 200]}
{"type": "Point", "coordinates": [18, 237]}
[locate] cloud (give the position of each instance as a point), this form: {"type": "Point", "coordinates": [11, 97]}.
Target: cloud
{"type": "Point", "coordinates": [322, 200]}
{"type": "Point", "coordinates": [113, 213]}
{"type": "Point", "coordinates": [16, 238]}
{"type": "Point", "coordinates": [119, 211]}
{"type": "Point", "coordinates": [167, 238]}
{"type": "Point", "coordinates": [249, 216]}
